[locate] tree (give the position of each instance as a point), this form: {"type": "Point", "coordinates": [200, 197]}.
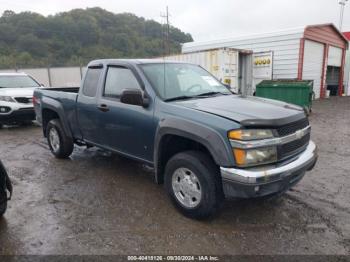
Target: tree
{"type": "Point", "coordinates": [75, 37]}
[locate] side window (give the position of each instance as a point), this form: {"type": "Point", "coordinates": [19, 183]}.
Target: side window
{"type": "Point", "coordinates": [91, 81]}
{"type": "Point", "coordinates": [118, 79]}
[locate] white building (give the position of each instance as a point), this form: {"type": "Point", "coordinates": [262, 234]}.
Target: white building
{"type": "Point", "coordinates": [315, 52]}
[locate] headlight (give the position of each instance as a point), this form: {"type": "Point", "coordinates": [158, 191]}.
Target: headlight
{"type": "Point", "coordinates": [249, 154]}
{"type": "Point", "coordinates": [254, 157]}
{"type": "Point", "coordinates": [7, 99]}
{"type": "Point", "coordinates": [250, 134]}
{"type": "Point", "coordinates": [4, 109]}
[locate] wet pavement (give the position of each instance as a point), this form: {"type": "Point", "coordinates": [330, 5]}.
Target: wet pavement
{"type": "Point", "coordinates": [98, 203]}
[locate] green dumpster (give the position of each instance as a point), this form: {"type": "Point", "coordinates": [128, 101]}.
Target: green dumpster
{"type": "Point", "coordinates": [298, 92]}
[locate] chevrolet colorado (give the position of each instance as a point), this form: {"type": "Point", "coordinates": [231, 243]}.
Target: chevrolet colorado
{"type": "Point", "coordinates": [204, 142]}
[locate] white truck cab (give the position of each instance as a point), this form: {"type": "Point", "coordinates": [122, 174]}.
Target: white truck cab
{"type": "Point", "coordinates": [16, 98]}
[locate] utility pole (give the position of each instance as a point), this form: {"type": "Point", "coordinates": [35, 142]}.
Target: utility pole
{"type": "Point", "coordinates": [166, 34]}
{"type": "Point", "coordinates": [342, 6]}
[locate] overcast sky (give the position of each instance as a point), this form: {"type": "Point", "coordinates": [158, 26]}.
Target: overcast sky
{"type": "Point", "coordinates": [207, 19]}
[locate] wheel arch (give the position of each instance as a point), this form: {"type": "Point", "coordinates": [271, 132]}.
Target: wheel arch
{"type": "Point", "coordinates": [52, 109]}
{"type": "Point", "coordinates": [170, 139]}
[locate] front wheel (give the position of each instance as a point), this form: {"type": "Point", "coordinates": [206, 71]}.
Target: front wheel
{"type": "Point", "coordinates": [60, 144]}
{"type": "Point", "coordinates": [193, 183]}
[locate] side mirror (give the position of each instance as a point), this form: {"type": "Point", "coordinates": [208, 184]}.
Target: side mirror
{"type": "Point", "coordinates": [134, 97]}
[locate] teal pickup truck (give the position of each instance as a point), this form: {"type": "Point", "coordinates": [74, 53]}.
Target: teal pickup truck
{"type": "Point", "coordinates": [204, 142]}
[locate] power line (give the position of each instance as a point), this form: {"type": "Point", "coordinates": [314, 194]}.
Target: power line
{"type": "Point", "coordinates": [342, 7]}
{"type": "Point", "coordinates": [166, 34]}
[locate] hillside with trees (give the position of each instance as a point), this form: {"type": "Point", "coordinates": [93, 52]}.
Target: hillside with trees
{"type": "Point", "coordinates": [73, 38]}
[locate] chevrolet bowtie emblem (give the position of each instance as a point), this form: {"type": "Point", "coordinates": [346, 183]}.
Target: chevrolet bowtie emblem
{"type": "Point", "coordinates": [299, 134]}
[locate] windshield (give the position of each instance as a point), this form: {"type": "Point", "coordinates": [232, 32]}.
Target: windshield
{"type": "Point", "coordinates": [182, 81]}
{"type": "Point", "coordinates": [17, 82]}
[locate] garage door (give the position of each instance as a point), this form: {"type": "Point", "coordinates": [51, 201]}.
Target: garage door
{"type": "Point", "coordinates": [334, 56]}
{"type": "Point", "coordinates": [313, 60]}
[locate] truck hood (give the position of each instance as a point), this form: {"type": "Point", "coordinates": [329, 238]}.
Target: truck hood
{"type": "Point", "coordinates": [17, 92]}
{"type": "Point", "coordinates": [247, 110]}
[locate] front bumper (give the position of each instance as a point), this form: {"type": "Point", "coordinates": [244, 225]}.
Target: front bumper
{"type": "Point", "coordinates": [259, 182]}
{"type": "Point", "coordinates": [20, 115]}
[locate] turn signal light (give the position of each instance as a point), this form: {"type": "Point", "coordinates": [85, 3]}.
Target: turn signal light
{"type": "Point", "coordinates": [239, 156]}
{"type": "Point", "coordinates": [235, 134]}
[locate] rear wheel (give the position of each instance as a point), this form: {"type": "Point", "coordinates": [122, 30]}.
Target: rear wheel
{"type": "Point", "coordinates": [60, 144]}
{"type": "Point", "coordinates": [192, 182]}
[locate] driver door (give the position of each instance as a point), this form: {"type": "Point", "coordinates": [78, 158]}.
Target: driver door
{"type": "Point", "coordinates": [128, 129]}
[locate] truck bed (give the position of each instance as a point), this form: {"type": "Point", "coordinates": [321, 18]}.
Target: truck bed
{"type": "Point", "coordinates": [64, 99]}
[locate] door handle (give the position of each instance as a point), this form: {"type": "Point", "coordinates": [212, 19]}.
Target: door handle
{"type": "Point", "coordinates": [103, 108]}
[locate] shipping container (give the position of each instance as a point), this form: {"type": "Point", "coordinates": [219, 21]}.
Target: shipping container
{"type": "Point", "coordinates": [232, 67]}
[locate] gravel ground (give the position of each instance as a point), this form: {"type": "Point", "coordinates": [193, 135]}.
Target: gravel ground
{"type": "Point", "coordinates": [98, 203]}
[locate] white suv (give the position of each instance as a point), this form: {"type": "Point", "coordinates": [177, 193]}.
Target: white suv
{"type": "Point", "coordinates": [16, 98]}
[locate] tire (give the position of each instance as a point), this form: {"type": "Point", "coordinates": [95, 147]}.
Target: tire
{"type": "Point", "coordinates": [3, 203]}
{"type": "Point", "coordinates": [60, 144]}
{"type": "Point", "coordinates": [199, 196]}
{"type": "Point", "coordinates": [3, 208]}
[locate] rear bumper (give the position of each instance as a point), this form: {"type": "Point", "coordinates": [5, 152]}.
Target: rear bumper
{"type": "Point", "coordinates": [253, 183]}
{"type": "Point", "coordinates": [20, 115]}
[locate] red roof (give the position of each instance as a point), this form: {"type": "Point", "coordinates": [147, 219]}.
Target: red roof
{"type": "Point", "coordinates": [347, 35]}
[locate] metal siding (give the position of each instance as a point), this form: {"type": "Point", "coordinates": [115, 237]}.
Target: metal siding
{"type": "Point", "coordinates": [262, 71]}
{"type": "Point", "coordinates": [285, 47]}
{"type": "Point", "coordinates": [341, 78]}
{"type": "Point", "coordinates": [325, 34]}
{"type": "Point", "coordinates": [347, 74]}
{"type": "Point", "coordinates": [313, 63]}
{"type": "Point", "coordinates": [257, 38]}
{"type": "Point", "coordinates": [335, 56]}
{"type": "Point", "coordinates": [288, 54]}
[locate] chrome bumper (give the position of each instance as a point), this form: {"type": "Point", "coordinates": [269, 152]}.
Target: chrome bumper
{"type": "Point", "coordinates": [305, 161]}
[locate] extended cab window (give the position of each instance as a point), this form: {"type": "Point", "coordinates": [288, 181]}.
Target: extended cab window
{"type": "Point", "coordinates": [118, 79]}
{"type": "Point", "coordinates": [91, 81]}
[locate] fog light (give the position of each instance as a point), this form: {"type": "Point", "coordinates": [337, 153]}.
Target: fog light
{"type": "Point", "coordinates": [256, 189]}
{"type": "Point", "coordinates": [4, 109]}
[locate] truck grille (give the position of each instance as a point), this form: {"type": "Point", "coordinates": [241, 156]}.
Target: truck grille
{"type": "Point", "coordinates": [293, 127]}
{"type": "Point", "coordinates": [24, 100]}
{"type": "Point", "coordinates": [293, 147]}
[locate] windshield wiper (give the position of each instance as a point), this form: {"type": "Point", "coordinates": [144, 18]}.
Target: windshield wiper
{"type": "Point", "coordinates": [212, 94]}
{"type": "Point", "coordinates": [178, 98]}
{"type": "Point", "coordinates": [204, 95]}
